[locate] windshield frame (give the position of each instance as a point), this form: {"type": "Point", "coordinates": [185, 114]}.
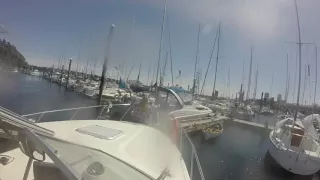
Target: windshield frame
{"type": "Point", "coordinates": [178, 98]}
{"type": "Point", "coordinates": [60, 163]}
{"type": "Point", "coordinates": [183, 99]}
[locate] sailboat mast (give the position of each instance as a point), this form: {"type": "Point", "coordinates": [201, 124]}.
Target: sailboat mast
{"type": "Point", "coordinates": [130, 72]}
{"type": "Point", "coordinates": [304, 82]}
{"type": "Point", "coordinates": [229, 82]}
{"type": "Point", "coordinates": [77, 65]}
{"type": "Point", "coordinates": [217, 60]}
{"type": "Point", "coordinates": [271, 87]}
{"type": "Point", "coordinates": [195, 64]}
{"type": "Point", "coordinates": [148, 74]}
{"type": "Point", "coordinates": [168, 23]}
{"type": "Point", "coordinates": [315, 86]}
{"type": "Point", "coordinates": [249, 80]}
{"type": "Point", "coordinates": [211, 54]}
{"type": "Point", "coordinates": [299, 82]}
{"type": "Point", "coordinates": [256, 84]}
{"type": "Point", "coordinates": [138, 78]}
{"type": "Point", "coordinates": [164, 67]}
{"type": "Point", "coordinates": [161, 38]}
{"type": "Point", "coordinates": [287, 83]}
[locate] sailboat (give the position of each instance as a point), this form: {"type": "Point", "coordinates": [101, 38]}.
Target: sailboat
{"type": "Point", "coordinates": [294, 143]}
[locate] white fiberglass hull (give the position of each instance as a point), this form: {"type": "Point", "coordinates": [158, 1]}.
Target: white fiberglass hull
{"type": "Point", "coordinates": [144, 148]}
{"type": "Point", "coordinates": [292, 161]}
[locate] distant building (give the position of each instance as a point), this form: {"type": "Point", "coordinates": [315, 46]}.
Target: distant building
{"type": "Point", "coordinates": [279, 98]}
{"type": "Point", "coordinates": [266, 95]}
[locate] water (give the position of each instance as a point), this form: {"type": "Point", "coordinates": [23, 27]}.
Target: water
{"type": "Point", "coordinates": [25, 94]}
{"type": "Point", "coordinates": [239, 153]}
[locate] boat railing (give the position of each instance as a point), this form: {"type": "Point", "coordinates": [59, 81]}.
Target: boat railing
{"type": "Point", "coordinates": [77, 109]}
{"type": "Point", "coordinates": [194, 155]}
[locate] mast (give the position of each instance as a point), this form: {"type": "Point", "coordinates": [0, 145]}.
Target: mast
{"type": "Point", "coordinates": [170, 49]}
{"type": "Point", "coordinates": [287, 83]}
{"type": "Point", "coordinates": [217, 60]}
{"type": "Point", "coordinates": [271, 87]}
{"type": "Point", "coordinates": [295, 78]}
{"type": "Point", "coordinates": [148, 74]}
{"type": "Point", "coordinates": [164, 67]}
{"type": "Point", "coordinates": [256, 84]}
{"type": "Point", "coordinates": [161, 38]}
{"type": "Point", "coordinates": [229, 82]}
{"type": "Point", "coordinates": [77, 64]}
{"type": "Point", "coordinates": [304, 83]}
{"type": "Point", "coordinates": [249, 80]}
{"type": "Point", "coordinates": [289, 79]}
{"type": "Point", "coordinates": [130, 72]}
{"type": "Point", "coordinates": [299, 82]}
{"type": "Point", "coordinates": [138, 78]}
{"type": "Point", "coordinates": [154, 69]}
{"type": "Point", "coordinates": [205, 76]}
{"type": "Point", "coordinates": [315, 86]}
{"type": "Point", "coordinates": [195, 65]}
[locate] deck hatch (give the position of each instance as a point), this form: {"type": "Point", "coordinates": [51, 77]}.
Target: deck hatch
{"type": "Point", "coordinates": [100, 132]}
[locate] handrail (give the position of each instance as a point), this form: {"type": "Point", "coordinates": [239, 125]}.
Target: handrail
{"type": "Point", "coordinates": [193, 155]}
{"type": "Point", "coordinates": [59, 110]}
{"type": "Point", "coordinates": [69, 109]}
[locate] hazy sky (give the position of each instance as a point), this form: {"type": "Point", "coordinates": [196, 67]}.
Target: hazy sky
{"type": "Point", "coordinates": [42, 30]}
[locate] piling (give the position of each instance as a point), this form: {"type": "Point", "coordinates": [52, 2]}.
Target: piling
{"type": "Point", "coordinates": [104, 68]}
{"type": "Point", "coordinates": [70, 61]}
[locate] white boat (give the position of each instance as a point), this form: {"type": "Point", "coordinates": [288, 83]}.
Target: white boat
{"type": "Point", "coordinates": [294, 147]}
{"type": "Point", "coordinates": [71, 84]}
{"type": "Point", "coordinates": [190, 117]}
{"type": "Point", "coordinates": [266, 111]}
{"type": "Point", "coordinates": [312, 123]}
{"type": "Point", "coordinates": [35, 73]}
{"type": "Point", "coordinates": [92, 93]}
{"type": "Point", "coordinates": [90, 86]}
{"type": "Point", "coordinates": [244, 113]}
{"type": "Point", "coordinates": [220, 107]}
{"type": "Point", "coordinates": [91, 150]}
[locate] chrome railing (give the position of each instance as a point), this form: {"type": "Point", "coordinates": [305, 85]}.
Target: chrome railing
{"type": "Point", "coordinates": [69, 109]}
{"type": "Point", "coordinates": [194, 154]}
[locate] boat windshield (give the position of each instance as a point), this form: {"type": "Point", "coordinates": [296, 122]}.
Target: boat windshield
{"type": "Point", "coordinates": [185, 96]}
{"type": "Point", "coordinates": [86, 162]}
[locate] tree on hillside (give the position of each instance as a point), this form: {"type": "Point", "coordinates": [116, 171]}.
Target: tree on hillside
{"type": "Point", "coordinates": [9, 55]}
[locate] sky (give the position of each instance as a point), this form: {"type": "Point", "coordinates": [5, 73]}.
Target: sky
{"type": "Point", "coordinates": [43, 31]}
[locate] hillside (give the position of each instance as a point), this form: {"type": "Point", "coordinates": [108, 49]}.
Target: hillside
{"type": "Point", "coordinates": [10, 57]}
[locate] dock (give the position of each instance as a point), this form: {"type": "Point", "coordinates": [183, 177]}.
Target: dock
{"type": "Point", "coordinates": [253, 124]}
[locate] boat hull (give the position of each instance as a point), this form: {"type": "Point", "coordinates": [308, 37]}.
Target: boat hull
{"type": "Point", "coordinates": [292, 161]}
